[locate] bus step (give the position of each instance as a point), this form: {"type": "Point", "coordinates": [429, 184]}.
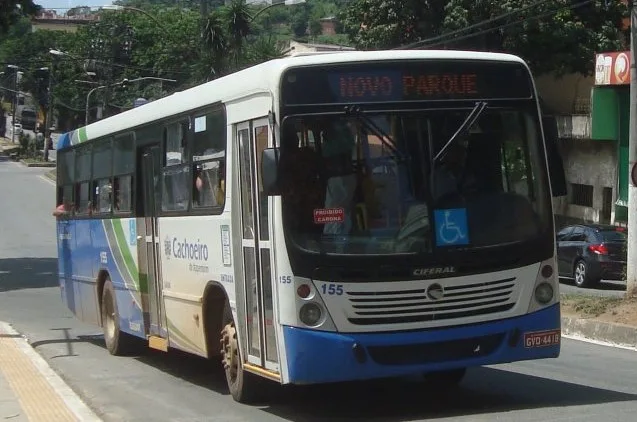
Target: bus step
{"type": "Point", "coordinates": [158, 343]}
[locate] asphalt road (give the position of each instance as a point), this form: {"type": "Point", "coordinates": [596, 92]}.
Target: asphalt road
{"type": "Point", "coordinates": [587, 383]}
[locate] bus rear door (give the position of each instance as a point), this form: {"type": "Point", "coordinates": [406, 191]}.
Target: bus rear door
{"type": "Point", "coordinates": [148, 246]}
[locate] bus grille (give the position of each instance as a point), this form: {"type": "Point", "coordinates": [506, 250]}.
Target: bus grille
{"type": "Point", "coordinates": [413, 305]}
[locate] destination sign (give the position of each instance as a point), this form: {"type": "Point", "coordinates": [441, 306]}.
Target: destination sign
{"type": "Point", "coordinates": [411, 81]}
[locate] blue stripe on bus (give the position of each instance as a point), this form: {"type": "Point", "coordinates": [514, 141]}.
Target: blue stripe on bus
{"type": "Point", "coordinates": [321, 357]}
{"type": "Point", "coordinates": [80, 261]}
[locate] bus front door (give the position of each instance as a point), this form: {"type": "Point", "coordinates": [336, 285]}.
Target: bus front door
{"type": "Point", "coordinates": [259, 335]}
{"type": "Point", "coordinates": [148, 247]}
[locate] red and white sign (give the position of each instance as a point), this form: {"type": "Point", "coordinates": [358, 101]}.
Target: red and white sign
{"type": "Point", "coordinates": [612, 68]}
{"type": "Point", "coordinates": [329, 215]}
{"type": "Point", "coordinates": [542, 338]}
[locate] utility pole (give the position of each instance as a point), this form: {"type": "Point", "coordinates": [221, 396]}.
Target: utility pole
{"type": "Point", "coordinates": [14, 103]}
{"type": "Point", "coordinates": [631, 262]}
{"type": "Point", "coordinates": [49, 113]}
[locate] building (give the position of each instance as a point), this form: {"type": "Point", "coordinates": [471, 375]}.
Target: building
{"type": "Point", "coordinates": [296, 47]}
{"type": "Point", "coordinates": [50, 20]}
{"type": "Point", "coordinates": [329, 25]}
{"type": "Point", "coordinates": [592, 116]}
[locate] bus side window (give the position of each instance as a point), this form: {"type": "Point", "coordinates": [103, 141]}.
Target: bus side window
{"type": "Point", "coordinates": [209, 185]}
{"type": "Point", "coordinates": [102, 193]}
{"type": "Point", "coordinates": [123, 189]}
{"type": "Point", "coordinates": [209, 157]}
{"type": "Point", "coordinates": [83, 196]}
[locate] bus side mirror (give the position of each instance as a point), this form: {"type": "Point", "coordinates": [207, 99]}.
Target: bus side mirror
{"type": "Point", "coordinates": [557, 175]}
{"type": "Point", "coordinates": [270, 171]}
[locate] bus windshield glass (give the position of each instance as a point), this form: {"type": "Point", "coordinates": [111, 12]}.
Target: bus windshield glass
{"type": "Point", "coordinates": [412, 182]}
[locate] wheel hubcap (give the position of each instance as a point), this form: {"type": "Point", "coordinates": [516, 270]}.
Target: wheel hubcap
{"type": "Point", "coordinates": [580, 273]}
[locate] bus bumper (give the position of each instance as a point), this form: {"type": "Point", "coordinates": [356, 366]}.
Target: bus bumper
{"type": "Point", "coordinates": [322, 357]}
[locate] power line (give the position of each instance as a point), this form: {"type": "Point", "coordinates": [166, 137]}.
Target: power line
{"type": "Point", "coordinates": [475, 25]}
{"type": "Point", "coordinates": [529, 19]}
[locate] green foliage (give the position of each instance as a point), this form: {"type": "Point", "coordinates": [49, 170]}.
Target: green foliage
{"type": "Point", "coordinates": [170, 40]}
{"type": "Point", "coordinates": [563, 41]}
{"type": "Point", "coordinates": [12, 10]}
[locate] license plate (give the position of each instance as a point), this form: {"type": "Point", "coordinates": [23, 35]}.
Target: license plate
{"type": "Point", "coordinates": [542, 338]}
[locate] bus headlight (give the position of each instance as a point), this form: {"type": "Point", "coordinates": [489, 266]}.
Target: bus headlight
{"type": "Point", "coordinates": [311, 314]}
{"type": "Point", "coordinates": [544, 293]}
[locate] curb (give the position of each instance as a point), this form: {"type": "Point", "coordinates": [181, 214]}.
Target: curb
{"type": "Point", "coordinates": [615, 334]}
{"type": "Point", "coordinates": [38, 164]}
{"type": "Point", "coordinates": [73, 402]}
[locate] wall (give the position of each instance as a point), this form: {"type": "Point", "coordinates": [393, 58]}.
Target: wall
{"type": "Point", "coordinates": [592, 163]}
{"type": "Point", "coordinates": [569, 94]}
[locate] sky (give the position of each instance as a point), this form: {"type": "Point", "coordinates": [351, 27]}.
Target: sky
{"type": "Point", "coordinates": [67, 4]}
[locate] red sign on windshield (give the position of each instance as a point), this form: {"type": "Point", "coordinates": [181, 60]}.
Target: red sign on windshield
{"type": "Point", "coordinates": [329, 215]}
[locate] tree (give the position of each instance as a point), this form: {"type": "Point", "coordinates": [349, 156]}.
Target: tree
{"type": "Point", "coordinates": [12, 10]}
{"type": "Point", "coordinates": [215, 40]}
{"type": "Point", "coordinates": [238, 19]}
{"type": "Point", "coordinates": [553, 36]}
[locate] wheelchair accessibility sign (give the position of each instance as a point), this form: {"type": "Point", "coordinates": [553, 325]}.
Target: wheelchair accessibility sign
{"type": "Point", "coordinates": [451, 227]}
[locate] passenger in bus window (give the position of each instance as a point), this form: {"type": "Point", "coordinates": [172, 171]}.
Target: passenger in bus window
{"type": "Point", "coordinates": [451, 176]}
{"type": "Point", "coordinates": [206, 185]}
{"type": "Point", "coordinates": [61, 211]}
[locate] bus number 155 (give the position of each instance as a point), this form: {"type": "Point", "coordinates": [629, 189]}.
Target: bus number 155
{"type": "Point", "coordinates": [332, 289]}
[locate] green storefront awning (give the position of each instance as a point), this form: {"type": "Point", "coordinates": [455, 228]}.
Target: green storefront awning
{"type": "Point", "coordinates": [610, 115]}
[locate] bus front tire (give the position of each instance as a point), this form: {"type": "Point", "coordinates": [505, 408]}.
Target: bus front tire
{"type": "Point", "coordinates": [117, 342]}
{"type": "Point", "coordinates": [242, 384]}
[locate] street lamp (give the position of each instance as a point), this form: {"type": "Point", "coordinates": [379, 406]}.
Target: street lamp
{"type": "Point", "coordinates": [283, 3]}
{"type": "Point", "coordinates": [49, 102]}
{"type": "Point", "coordinates": [125, 81]}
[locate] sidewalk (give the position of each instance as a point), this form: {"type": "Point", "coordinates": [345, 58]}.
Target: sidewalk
{"type": "Point", "coordinates": [30, 390]}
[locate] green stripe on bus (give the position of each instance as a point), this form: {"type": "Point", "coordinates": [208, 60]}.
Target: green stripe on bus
{"type": "Point", "coordinates": [122, 245]}
{"type": "Point", "coordinates": [82, 134]}
{"type": "Point", "coordinates": [117, 255]}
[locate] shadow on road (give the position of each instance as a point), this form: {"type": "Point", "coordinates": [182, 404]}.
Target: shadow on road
{"type": "Point", "coordinates": [484, 390]}
{"type": "Point", "coordinates": [193, 369]}
{"type": "Point", "coordinates": [27, 273]}
{"type": "Point", "coordinates": [190, 368]}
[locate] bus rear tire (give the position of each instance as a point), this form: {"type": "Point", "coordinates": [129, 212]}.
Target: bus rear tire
{"type": "Point", "coordinates": [242, 385]}
{"type": "Point", "coordinates": [117, 342]}
{"type": "Point", "coordinates": [446, 379]}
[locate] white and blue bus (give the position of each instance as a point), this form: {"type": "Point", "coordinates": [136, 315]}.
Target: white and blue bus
{"type": "Point", "coordinates": [322, 218]}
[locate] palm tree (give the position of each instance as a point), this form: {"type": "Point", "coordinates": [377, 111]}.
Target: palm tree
{"type": "Point", "coordinates": [264, 49]}
{"type": "Point", "coordinates": [215, 41]}
{"type": "Point", "coordinates": [239, 22]}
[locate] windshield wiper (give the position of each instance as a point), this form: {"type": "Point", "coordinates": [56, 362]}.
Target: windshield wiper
{"type": "Point", "coordinates": [370, 125]}
{"type": "Point", "coordinates": [468, 122]}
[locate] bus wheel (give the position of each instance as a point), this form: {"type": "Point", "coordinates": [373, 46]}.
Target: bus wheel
{"type": "Point", "coordinates": [446, 379]}
{"type": "Point", "coordinates": [118, 343]}
{"type": "Point", "coordinates": [242, 385]}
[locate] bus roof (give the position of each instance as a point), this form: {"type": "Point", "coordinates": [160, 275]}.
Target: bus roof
{"type": "Point", "coordinates": [260, 78]}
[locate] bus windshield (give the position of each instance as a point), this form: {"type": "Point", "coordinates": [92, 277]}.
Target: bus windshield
{"type": "Point", "coordinates": [411, 182]}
